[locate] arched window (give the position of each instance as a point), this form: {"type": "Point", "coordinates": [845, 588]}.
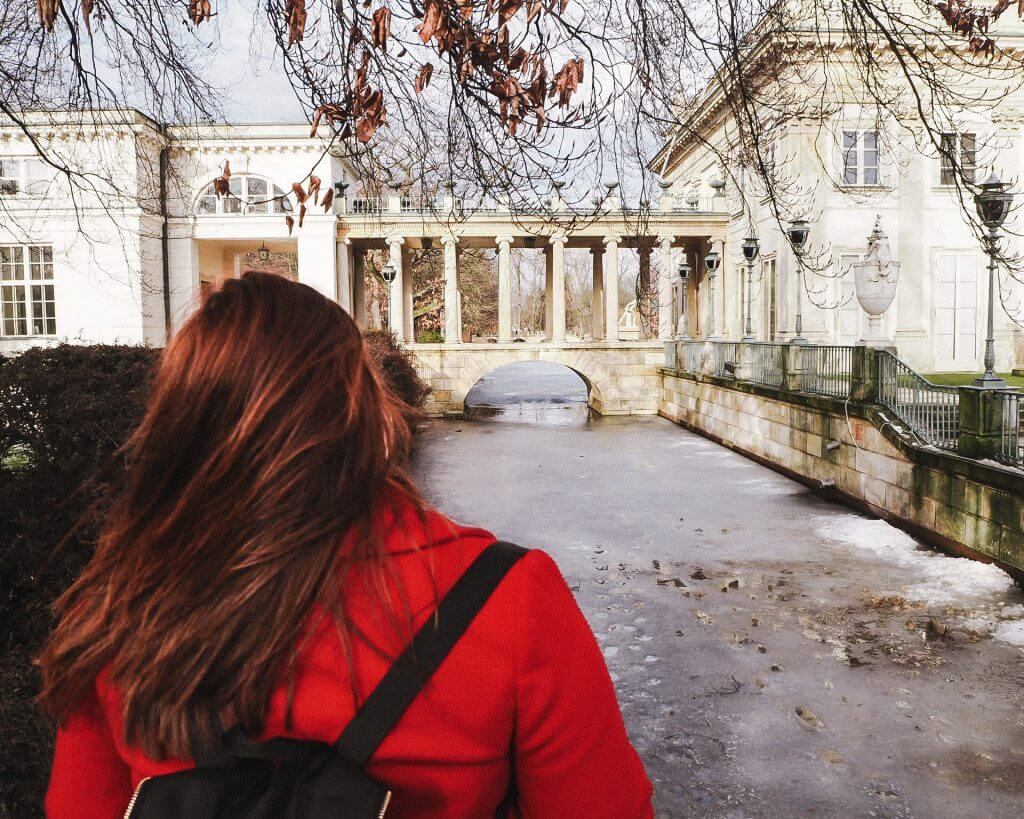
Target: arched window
{"type": "Point", "coordinates": [246, 194]}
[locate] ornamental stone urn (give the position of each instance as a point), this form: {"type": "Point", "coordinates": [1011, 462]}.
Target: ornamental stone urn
{"type": "Point", "coordinates": [875, 278]}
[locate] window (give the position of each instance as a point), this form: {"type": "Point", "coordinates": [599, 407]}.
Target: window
{"type": "Point", "coordinates": [860, 158]}
{"type": "Point", "coordinates": [29, 177]}
{"type": "Point", "coordinates": [27, 306]}
{"type": "Point", "coordinates": [963, 148]}
{"type": "Point", "coordinates": [246, 194]}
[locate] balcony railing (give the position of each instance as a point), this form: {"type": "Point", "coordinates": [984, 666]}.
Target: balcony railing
{"type": "Point", "coordinates": [377, 205]}
{"type": "Point", "coordinates": [726, 359]}
{"type": "Point", "coordinates": [768, 364]}
{"type": "Point", "coordinates": [827, 370]}
{"type": "Point", "coordinates": [992, 428]}
{"type": "Point", "coordinates": [1011, 441]}
{"type": "Point", "coordinates": [932, 411]}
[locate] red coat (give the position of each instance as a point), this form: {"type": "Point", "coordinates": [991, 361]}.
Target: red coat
{"type": "Point", "coordinates": [525, 689]}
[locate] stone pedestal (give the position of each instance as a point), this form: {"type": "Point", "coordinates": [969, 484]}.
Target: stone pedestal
{"type": "Point", "coordinates": [981, 422]}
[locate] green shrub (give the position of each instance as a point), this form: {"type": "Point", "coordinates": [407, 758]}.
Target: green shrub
{"type": "Point", "coordinates": [430, 337]}
{"type": "Point", "coordinates": [63, 413]}
{"type": "Point", "coordinates": [396, 365]}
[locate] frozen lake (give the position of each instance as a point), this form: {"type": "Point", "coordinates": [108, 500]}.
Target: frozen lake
{"type": "Point", "coordinates": [775, 654]}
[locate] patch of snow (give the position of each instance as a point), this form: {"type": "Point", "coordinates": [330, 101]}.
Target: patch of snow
{"type": "Point", "coordinates": [932, 578]}
{"type": "Point", "coordinates": [771, 486]}
{"type": "Point", "coordinates": [1010, 631]}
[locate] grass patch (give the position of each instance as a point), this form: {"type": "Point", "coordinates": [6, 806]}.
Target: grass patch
{"type": "Point", "coordinates": [963, 379]}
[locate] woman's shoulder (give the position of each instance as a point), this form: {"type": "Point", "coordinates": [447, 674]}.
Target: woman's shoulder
{"type": "Point", "coordinates": [444, 549]}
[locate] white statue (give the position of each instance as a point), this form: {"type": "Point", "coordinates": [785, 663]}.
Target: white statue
{"type": "Point", "coordinates": [629, 322]}
{"type": "Point", "coordinates": [875, 277]}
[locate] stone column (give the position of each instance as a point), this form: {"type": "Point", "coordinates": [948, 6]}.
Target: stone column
{"type": "Point", "coordinates": [345, 268]}
{"type": "Point", "coordinates": [452, 325]}
{"type": "Point", "coordinates": [665, 276]}
{"type": "Point", "coordinates": [183, 261]}
{"type": "Point", "coordinates": [611, 288]}
{"type": "Point", "coordinates": [548, 292]}
{"type": "Point", "coordinates": [396, 299]}
{"type": "Point", "coordinates": [316, 246]}
{"type": "Point", "coordinates": [408, 293]}
{"type": "Point", "coordinates": [597, 299]}
{"type": "Point", "coordinates": [558, 288]}
{"type": "Point", "coordinates": [504, 289]}
{"type": "Point", "coordinates": [359, 285]}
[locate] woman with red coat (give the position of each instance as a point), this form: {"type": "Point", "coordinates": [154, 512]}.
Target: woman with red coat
{"type": "Point", "coordinates": [269, 559]}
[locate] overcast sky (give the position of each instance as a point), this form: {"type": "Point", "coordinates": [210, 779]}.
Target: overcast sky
{"type": "Point", "coordinates": [254, 87]}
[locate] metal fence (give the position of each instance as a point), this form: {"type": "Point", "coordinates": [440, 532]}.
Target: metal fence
{"type": "Point", "coordinates": [726, 358]}
{"type": "Point", "coordinates": [1011, 445]}
{"type": "Point", "coordinates": [768, 364]}
{"type": "Point", "coordinates": [692, 359]}
{"type": "Point", "coordinates": [932, 411]}
{"type": "Point", "coordinates": [367, 205]}
{"type": "Point", "coordinates": [826, 369]}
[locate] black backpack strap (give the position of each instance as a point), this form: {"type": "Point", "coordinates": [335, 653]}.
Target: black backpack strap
{"type": "Point", "coordinates": [426, 652]}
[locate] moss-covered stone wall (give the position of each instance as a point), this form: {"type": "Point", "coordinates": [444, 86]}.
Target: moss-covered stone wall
{"type": "Point", "coordinates": [958, 504]}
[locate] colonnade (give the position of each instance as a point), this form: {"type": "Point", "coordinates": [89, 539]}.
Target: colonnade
{"type": "Point", "coordinates": [604, 253]}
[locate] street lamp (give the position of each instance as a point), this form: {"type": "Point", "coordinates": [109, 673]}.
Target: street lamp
{"type": "Point", "coordinates": [389, 273]}
{"type": "Point", "coordinates": [993, 203]}
{"type": "Point", "coordinates": [798, 232]}
{"type": "Point", "coordinates": [264, 253]}
{"type": "Point", "coordinates": [751, 248]}
{"type": "Point", "coordinates": [711, 263]}
{"type": "Point", "coordinates": [684, 280]}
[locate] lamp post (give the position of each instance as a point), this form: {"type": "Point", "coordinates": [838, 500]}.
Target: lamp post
{"type": "Point", "coordinates": [683, 328]}
{"type": "Point", "coordinates": [711, 263]}
{"type": "Point", "coordinates": [388, 273]}
{"type": "Point", "coordinates": [751, 248]}
{"type": "Point", "coordinates": [798, 232]}
{"type": "Point", "coordinates": [993, 203]}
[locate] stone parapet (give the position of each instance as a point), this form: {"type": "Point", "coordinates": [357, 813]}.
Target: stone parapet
{"type": "Point", "coordinates": [621, 376]}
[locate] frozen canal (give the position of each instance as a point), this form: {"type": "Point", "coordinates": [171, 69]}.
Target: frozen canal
{"type": "Point", "coordinates": [775, 654]}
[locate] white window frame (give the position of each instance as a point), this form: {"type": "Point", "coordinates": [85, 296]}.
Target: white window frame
{"type": "Point", "coordinates": [858, 153]}
{"type": "Point", "coordinates": [23, 176]}
{"type": "Point", "coordinates": [27, 291]}
{"type": "Point", "coordinates": [239, 202]}
{"type": "Point", "coordinates": [957, 138]}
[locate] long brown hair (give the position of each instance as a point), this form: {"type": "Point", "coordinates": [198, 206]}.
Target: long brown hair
{"type": "Point", "coordinates": [268, 442]}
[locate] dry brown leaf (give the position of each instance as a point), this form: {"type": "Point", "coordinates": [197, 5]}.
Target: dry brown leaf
{"type": "Point", "coordinates": [295, 18]}
{"type": "Point", "coordinates": [381, 27]}
{"type": "Point", "coordinates": [423, 78]}
{"type": "Point", "coordinates": [48, 10]}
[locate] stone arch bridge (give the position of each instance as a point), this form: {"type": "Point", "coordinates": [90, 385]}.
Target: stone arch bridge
{"type": "Point", "coordinates": [621, 377]}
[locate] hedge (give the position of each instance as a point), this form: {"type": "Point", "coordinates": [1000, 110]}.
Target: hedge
{"type": "Point", "coordinates": [64, 411]}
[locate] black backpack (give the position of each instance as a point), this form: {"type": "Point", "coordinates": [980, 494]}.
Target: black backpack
{"type": "Point", "coordinates": [300, 779]}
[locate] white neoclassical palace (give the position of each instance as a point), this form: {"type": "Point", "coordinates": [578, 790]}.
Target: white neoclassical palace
{"type": "Point", "coordinates": [856, 165]}
{"type": "Point", "coordinates": [128, 262]}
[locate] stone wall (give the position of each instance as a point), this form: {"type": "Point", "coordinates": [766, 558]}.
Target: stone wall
{"type": "Point", "coordinates": [960, 505]}
{"type": "Point", "coordinates": [622, 377]}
